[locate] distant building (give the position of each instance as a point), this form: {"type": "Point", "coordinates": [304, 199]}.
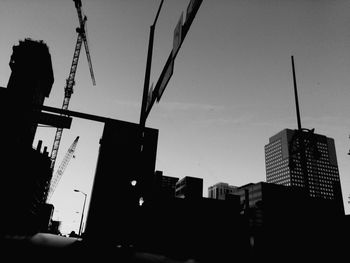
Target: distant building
{"type": "Point", "coordinates": [286, 216]}
{"type": "Point", "coordinates": [164, 186]}
{"type": "Point", "coordinates": [317, 171]}
{"type": "Point", "coordinates": [220, 191]}
{"type": "Point", "coordinates": [189, 188]}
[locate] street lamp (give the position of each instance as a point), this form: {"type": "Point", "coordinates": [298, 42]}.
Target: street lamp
{"type": "Point", "coordinates": [82, 213]}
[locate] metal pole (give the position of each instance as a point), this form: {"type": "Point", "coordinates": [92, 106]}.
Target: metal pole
{"type": "Point", "coordinates": [148, 70]}
{"type": "Point", "coordinates": [296, 96]}
{"type": "Point", "coordinates": [143, 114]}
{"type": "Point", "coordinates": [82, 216]}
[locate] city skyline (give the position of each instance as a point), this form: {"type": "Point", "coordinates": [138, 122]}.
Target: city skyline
{"type": "Point", "coordinates": [231, 90]}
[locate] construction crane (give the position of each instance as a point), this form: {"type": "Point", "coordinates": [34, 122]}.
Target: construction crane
{"type": "Point", "coordinates": [59, 172]}
{"type": "Point", "coordinates": [68, 91]}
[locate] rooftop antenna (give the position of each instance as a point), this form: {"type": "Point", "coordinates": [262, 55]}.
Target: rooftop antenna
{"type": "Point", "coordinates": [296, 96]}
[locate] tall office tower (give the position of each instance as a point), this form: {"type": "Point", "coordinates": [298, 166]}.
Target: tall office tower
{"type": "Point", "coordinates": [220, 191]}
{"type": "Point", "coordinates": [304, 159]}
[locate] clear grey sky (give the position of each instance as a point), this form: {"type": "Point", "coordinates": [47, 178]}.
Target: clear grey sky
{"type": "Point", "coordinates": [231, 90]}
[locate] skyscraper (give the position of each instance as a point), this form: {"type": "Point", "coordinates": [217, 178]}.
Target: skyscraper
{"type": "Point", "coordinates": [305, 159]}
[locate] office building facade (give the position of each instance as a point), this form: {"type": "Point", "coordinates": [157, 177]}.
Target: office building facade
{"type": "Point", "coordinates": [220, 190]}
{"type": "Point", "coordinates": [189, 188]}
{"type": "Point", "coordinates": [164, 186]}
{"type": "Point", "coordinates": [304, 159]}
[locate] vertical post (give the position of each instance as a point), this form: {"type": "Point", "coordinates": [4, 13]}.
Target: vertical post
{"type": "Point", "coordinates": [82, 216]}
{"type": "Point", "coordinates": [82, 213]}
{"type": "Point", "coordinates": [143, 115]}
{"type": "Point", "coordinates": [296, 96]}
{"type": "Point", "coordinates": [300, 136]}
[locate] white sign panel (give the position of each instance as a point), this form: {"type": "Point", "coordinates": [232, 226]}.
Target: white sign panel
{"type": "Point", "coordinates": [167, 75]}
{"type": "Point", "coordinates": [177, 36]}
{"type": "Point", "coordinates": [149, 97]}
{"type": "Point", "coordinates": [189, 9]}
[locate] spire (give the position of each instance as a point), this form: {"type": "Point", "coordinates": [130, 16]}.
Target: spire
{"type": "Point", "coordinates": [296, 96]}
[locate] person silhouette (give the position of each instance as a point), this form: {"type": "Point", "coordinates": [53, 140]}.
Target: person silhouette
{"type": "Point", "coordinates": [73, 234]}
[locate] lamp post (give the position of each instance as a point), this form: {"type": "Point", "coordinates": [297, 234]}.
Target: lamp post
{"type": "Point", "coordinates": [82, 213]}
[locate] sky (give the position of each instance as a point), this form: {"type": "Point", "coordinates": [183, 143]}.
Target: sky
{"type": "Point", "coordinates": [231, 90]}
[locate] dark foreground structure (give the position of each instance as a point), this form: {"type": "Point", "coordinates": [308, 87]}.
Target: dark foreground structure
{"type": "Point", "coordinates": [26, 172]}
{"type": "Point", "coordinates": [131, 217]}
{"type": "Point", "coordinates": [175, 247]}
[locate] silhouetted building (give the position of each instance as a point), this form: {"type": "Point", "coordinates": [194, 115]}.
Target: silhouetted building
{"type": "Point", "coordinates": [114, 203]}
{"type": "Point", "coordinates": [164, 186]}
{"type": "Point", "coordinates": [30, 82]}
{"type": "Point", "coordinates": [287, 217]}
{"type": "Point", "coordinates": [55, 227]}
{"type": "Point", "coordinates": [317, 171]}
{"type": "Point", "coordinates": [189, 187]}
{"type": "Point", "coordinates": [220, 190]}
{"type": "Point", "coordinates": [46, 213]}
{"type": "Point", "coordinates": [24, 192]}
{"type": "Point", "coordinates": [26, 171]}
{"type": "Point", "coordinates": [203, 229]}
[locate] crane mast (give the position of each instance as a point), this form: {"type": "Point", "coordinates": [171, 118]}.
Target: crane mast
{"type": "Point", "coordinates": [70, 82]}
{"type": "Point", "coordinates": [59, 172]}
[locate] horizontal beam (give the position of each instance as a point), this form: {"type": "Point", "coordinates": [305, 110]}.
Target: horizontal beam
{"type": "Point", "coordinates": [54, 120]}
{"type": "Point", "coordinates": [82, 115]}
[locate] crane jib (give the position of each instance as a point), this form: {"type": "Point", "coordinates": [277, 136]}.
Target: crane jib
{"type": "Point", "coordinates": [70, 82]}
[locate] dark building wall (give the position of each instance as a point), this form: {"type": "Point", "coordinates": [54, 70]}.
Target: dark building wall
{"type": "Point", "coordinates": [114, 201]}
{"type": "Point", "coordinates": [26, 172]}
{"type": "Point", "coordinates": [164, 186]}
{"type": "Point", "coordinates": [189, 188]}
{"type": "Point", "coordinates": [283, 217]}
{"type": "Point", "coordinates": [205, 229]}
{"type": "Point", "coordinates": [24, 192]}
{"type": "Point", "coordinates": [46, 213]}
